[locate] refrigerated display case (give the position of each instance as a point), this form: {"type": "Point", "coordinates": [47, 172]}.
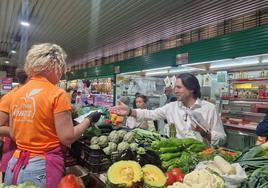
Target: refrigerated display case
{"type": "Point", "coordinates": [129, 85]}
{"type": "Point", "coordinates": [243, 107]}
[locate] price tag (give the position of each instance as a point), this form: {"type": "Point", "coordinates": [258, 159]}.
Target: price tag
{"type": "Point", "coordinates": [225, 101]}
{"type": "Point", "coordinates": [218, 102]}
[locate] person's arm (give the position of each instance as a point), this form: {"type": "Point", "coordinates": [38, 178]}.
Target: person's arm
{"type": "Point", "coordinates": [123, 110]}
{"type": "Point", "coordinates": [262, 128]}
{"type": "Point", "coordinates": [156, 114]}
{"type": "Point", "coordinates": [218, 135]}
{"type": "Point", "coordinates": [4, 130]}
{"type": "Point", "coordinates": [66, 132]}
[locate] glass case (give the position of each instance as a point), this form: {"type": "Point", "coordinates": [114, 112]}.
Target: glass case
{"type": "Point", "coordinates": [243, 107]}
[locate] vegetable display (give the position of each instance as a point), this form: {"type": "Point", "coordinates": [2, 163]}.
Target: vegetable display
{"type": "Point", "coordinates": [200, 179]}
{"type": "Point", "coordinates": [255, 163]}
{"type": "Point", "coordinates": [130, 174]}
{"type": "Point", "coordinates": [124, 174]}
{"type": "Point", "coordinates": [23, 185]}
{"type": "Point", "coordinates": [179, 153]}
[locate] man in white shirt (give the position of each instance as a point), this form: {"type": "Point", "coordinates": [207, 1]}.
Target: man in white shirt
{"type": "Point", "coordinates": [192, 117]}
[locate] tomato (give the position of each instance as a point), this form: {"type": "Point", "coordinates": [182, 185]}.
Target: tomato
{"type": "Point", "coordinates": [178, 174]}
{"type": "Point", "coordinates": [107, 121]}
{"type": "Point", "coordinates": [170, 178]}
{"type": "Point", "coordinates": [70, 181]}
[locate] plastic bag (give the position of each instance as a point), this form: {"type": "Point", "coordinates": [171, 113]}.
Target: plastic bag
{"type": "Point", "coordinates": [231, 181]}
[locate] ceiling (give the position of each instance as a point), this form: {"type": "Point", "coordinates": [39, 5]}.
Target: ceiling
{"type": "Point", "coordinates": [89, 29]}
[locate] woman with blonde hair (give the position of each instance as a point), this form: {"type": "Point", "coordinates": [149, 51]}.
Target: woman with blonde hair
{"type": "Point", "coordinates": [40, 120]}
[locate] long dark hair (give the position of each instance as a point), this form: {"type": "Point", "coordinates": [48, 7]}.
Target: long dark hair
{"type": "Point", "coordinates": [190, 82]}
{"type": "Point", "coordinates": [144, 98]}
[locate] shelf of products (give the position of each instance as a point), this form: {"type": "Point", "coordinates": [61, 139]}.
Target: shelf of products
{"type": "Point", "coordinates": [244, 106]}
{"type": "Point", "coordinates": [101, 100]}
{"type": "Point", "coordinates": [246, 80]}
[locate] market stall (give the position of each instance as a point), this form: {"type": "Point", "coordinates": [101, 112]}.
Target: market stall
{"type": "Point", "coordinates": [122, 157]}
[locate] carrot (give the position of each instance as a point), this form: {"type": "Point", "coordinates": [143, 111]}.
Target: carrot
{"type": "Point", "coordinates": [208, 151]}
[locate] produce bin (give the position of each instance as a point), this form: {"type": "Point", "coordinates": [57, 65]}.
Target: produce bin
{"type": "Point", "coordinates": [95, 160]}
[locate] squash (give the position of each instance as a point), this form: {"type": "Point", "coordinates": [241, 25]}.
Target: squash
{"type": "Point", "coordinates": [70, 181]}
{"type": "Point", "coordinates": [125, 174]}
{"type": "Point", "coordinates": [153, 177]}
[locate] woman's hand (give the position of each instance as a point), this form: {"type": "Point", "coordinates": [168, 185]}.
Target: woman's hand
{"type": "Point", "coordinates": [121, 109]}
{"type": "Point", "coordinates": [94, 116]}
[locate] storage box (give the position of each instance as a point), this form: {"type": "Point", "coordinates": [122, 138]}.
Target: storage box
{"type": "Point", "coordinates": [95, 160]}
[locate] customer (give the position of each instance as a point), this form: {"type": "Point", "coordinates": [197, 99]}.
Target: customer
{"type": "Point", "coordinates": [41, 120]}
{"type": "Point", "coordinates": [134, 101]}
{"type": "Point", "coordinates": [78, 99]}
{"type": "Point", "coordinates": [262, 130]}
{"type": "Point", "coordinates": [185, 113]}
{"type": "Point", "coordinates": [131, 122]}
{"type": "Point", "coordinates": [169, 92]}
{"type": "Point", "coordinates": [9, 145]}
{"type": "Point", "coordinates": [73, 96]}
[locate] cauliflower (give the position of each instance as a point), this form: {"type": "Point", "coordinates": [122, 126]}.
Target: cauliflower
{"type": "Point", "coordinates": [129, 137]}
{"type": "Point", "coordinates": [113, 146]}
{"type": "Point", "coordinates": [121, 133]}
{"type": "Point", "coordinates": [204, 179]}
{"type": "Point", "coordinates": [103, 141]}
{"type": "Point", "coordinates": [122, 146]}
{"type": "Point", "coordinates": [114, 137]}
{"type": "Point", "coordinates": [94, 140]}
{"type": "Point", "coordinates": [133, 146]}
{"type": "Point", "coordinates": [178, 185]}
{"type": "Point", "coordinates": [200, 179]}
{"type": "Point", "coordinates": [94, 146]}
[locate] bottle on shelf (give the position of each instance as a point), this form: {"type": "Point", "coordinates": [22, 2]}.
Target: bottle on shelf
{"type": "Point", "coordinates": [236, 93]}
{"type": "Point", "coordinates": [261, 92]}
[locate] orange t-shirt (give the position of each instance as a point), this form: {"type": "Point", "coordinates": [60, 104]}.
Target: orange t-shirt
{"type": "Point", "coordinates": [32, 114]}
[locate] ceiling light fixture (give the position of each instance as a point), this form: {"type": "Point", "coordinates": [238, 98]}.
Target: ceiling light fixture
{"type": "Point", "coordinates": [237, 62]}
{"type": "Point", "coordinates": [13, 51]}
{"type": "Point", "coordinates": [24, 23]}
{"type": "Point", "coordinates": [156, 73]}
{"type": "Point", "coordinates": [157, 69]}
{"type": "Point", "coordinates": [7, 62]}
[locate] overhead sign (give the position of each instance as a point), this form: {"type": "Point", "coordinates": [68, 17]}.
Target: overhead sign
{"type": "Point", "coordinates": [6, 84]}
{"type": "Point", "coordinates": [182, 59]}
{"type": "Point", "coordinates": [117, 69]}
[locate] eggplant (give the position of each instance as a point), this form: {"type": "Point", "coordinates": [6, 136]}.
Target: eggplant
{"type": "Point", "coordinates": [142, 161]}
{"type": "Point", "coordinates": [151, 157]}
{"type": "Point", "coordinates": [128, 155]}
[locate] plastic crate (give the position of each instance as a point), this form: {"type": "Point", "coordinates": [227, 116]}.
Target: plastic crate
{"type": "Point", "coordinates": [95, 160]}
